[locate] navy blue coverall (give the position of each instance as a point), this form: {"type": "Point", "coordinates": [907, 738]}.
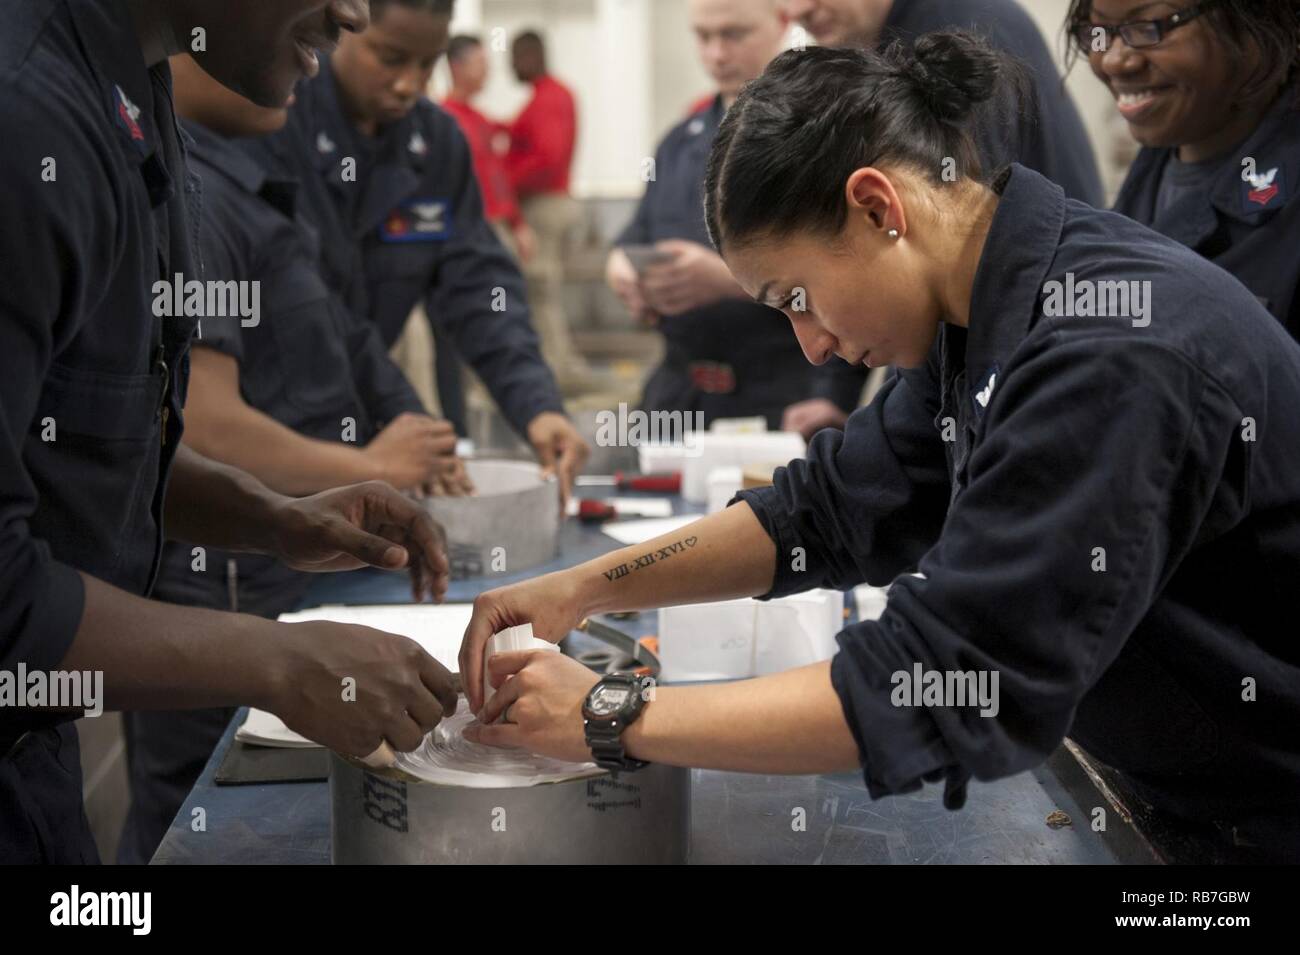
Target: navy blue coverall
{"type": "Point", "coordinates": [1251, 221]}
{"type": "Point", "coordinates": [1044, 133]}
{"type": "Point", "coordinates": [309, 363]}
{"type": "Point", "coordinates": [408, 200]}
{"type": "Point", "coordinates": [1105, 511]}
{"type": "Point", "coordinates": [731, 358]}
{"type": "Point", "coordinates": [97, 207]}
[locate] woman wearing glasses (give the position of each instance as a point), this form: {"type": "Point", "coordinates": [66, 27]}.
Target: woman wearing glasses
{"type": "Point", "coordinates": [1210, 91]}
{"type": "Point", "coordinates": [1102, 503]}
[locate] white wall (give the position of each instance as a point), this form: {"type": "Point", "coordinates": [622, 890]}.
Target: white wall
{"type": "Point", "coordinates": [632, 65]}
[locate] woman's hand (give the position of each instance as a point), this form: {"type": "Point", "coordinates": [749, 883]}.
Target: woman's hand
{"type": "Point", "coordinates": [551, 604]}
{"type": "Point", "coordinates": [541, 695]}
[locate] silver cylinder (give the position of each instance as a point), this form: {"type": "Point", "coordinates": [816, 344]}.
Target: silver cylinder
{"type": "Point", "coordinates": [386, 816]}
{"type": "Point", "coordinates": [513, 509]}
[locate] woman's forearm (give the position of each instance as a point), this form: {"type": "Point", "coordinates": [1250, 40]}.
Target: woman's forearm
{"type": "Point", "coordinates": [789, 722]}
{"type": "Point", "coordinates": [719, 557]}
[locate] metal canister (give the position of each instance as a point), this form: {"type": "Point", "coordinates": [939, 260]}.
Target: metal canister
{"type": "Point", "coordinates": [512, 523]}
{"type": "Point", "coordinates": [387, 816]}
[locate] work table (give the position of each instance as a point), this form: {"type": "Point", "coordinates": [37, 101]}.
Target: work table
{"type": "Point", "coordinates": [735, 817]}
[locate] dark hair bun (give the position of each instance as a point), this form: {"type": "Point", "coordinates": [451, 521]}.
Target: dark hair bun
{"type": "Point", "coordinates": [954, 72]}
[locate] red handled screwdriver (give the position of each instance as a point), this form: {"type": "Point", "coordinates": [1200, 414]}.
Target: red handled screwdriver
{"type": "Point", "coordinates": [669, 482]}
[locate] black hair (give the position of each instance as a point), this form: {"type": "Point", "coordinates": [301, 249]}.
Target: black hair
{"type": "Point", "coordinates": [442, 8]}
{"type": "Point", "coordinates": [530, 38]}
{"type": "Point", "coordinates": [461, 44]}
{"type": "Point", "coordinates": [796, 134]}
{"type": "Point", "coordinates": [1270, 26]}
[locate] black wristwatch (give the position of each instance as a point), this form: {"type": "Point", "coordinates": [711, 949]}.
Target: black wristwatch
{"type": "Point", "coordinates": [611, 706]}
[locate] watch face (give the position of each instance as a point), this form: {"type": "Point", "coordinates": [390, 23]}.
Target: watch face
{"type": "Point", "coordinates": [607, 700]}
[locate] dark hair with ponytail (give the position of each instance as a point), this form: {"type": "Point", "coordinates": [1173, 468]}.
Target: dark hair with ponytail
{"type": "Point", "coordinates": [1272, 27]}
{"type": "Point", "coordinates": [796, 134]}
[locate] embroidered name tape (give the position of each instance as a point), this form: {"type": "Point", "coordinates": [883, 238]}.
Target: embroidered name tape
{"type": "Point", "coordinates": [418, 220]}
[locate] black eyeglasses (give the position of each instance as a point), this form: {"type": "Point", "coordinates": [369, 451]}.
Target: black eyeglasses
{"type": "Point", "coordinates": [1138, 34]}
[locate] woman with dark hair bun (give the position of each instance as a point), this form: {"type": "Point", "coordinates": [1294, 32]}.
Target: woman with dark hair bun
{"type": "Point", "coordinates": [1211, 91]}
{"type": "Point", "coordinates": [1080, 480]}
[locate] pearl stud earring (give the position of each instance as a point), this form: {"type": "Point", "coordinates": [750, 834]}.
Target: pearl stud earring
{"type": "Point", "coordinates": [893, 233]}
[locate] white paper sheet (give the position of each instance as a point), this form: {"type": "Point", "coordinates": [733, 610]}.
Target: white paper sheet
{"type": "Point", "coordinates": [266, 729]}
{"type": "Point", "coordinates": [438, 628]}
{"type": "Point", "coordinates": [638, 532]}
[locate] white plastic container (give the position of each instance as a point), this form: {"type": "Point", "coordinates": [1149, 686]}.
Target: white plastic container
{"type": "Point", "coordinates": [870, 601]}
{"type": "Point", "coordinates": [723, 484]}
{"type": "Point", "coordinates": [705, 452]}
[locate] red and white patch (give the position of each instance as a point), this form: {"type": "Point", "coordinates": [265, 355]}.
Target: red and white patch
{"type": "Point", "coordinates": [1265, 190]}
{"type": "Point", "coordinates": [128, 115]}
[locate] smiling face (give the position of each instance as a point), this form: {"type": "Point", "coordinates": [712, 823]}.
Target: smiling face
{"type": "Point", "coordinates": [1179, 93]}
{"type": "Point", "coordinates": [862, 295]}
{"type": "Point", "coordinates": [384, 71]}
{"type": "Point", "coordinates": [261, 49]}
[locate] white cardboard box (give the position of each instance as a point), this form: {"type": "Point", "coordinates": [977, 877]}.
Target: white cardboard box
{"type": "Point", "coordinates": [736, 639]}
{"type": "Point", "coordinates": [707, 451]}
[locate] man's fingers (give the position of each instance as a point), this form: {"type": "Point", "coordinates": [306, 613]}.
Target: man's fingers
{"type": "Point", "coordinates": [570, 463]}
{"type": "Point", "coordinates": [404, 734]}
{"type": "Point", "coordinates": [443, 685]}
{"type": "Point", "coordinates": [366, 547]}
{"type": "Point", "coordinates": [419, 581]}
{"type": "Point", "coordinates": [546, 453]}
{"type": "Point", "coordinates": [414, 527]}
{"type": "Point", "coordinates": [426, 710]}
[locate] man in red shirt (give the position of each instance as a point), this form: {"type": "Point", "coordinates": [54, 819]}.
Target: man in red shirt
{"type": "Point", "coordinates": [541, 153]}
{"type": "Point", "coordinates": [488, 141]}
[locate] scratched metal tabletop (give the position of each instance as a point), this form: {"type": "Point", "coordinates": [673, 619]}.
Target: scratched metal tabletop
{"type": "Point", "coordinates": [735, 817]}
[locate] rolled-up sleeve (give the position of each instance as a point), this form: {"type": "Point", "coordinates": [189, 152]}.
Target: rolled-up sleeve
{"type": "Point", "coordinates": [866, 502]}
{"type": "Point", "coordinates": [1088, 488]}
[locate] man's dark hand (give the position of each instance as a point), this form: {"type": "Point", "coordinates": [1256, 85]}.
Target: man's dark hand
{"type": "Point", "coordinates": [364, 524]}
{"type": "Point", "coordinates": [352, 688]}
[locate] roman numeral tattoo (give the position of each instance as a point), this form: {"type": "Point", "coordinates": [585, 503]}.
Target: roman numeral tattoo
{"type": "Point", "coordinates": [646, 560]}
